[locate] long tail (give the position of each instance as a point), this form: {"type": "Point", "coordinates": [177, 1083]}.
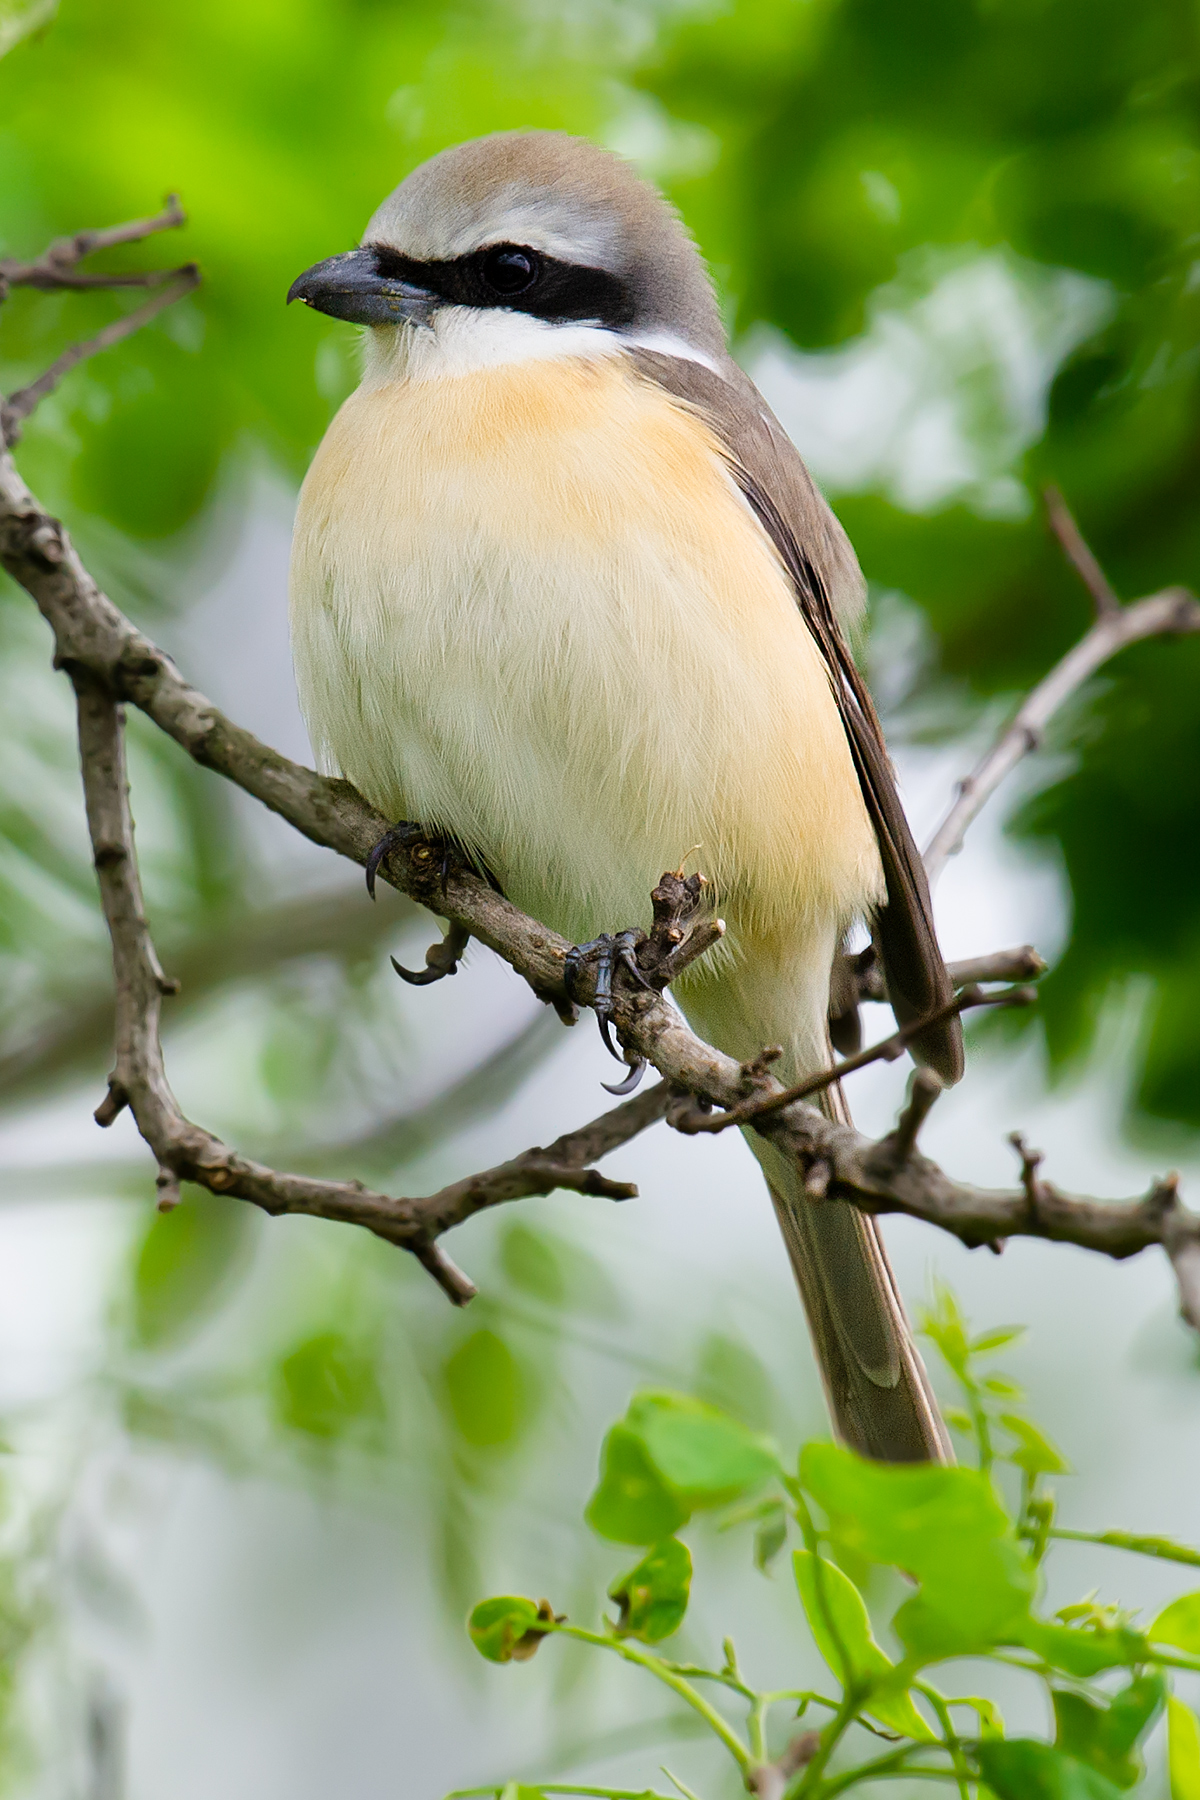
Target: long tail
{"type": "Point", "coordinates": [878, 1391]}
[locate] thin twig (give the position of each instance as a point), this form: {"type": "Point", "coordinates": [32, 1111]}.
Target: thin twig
{"type": "Point", "coordinates": [750, 1112]}
{"type": "Point", "coordinates": [1080, 553]}
{"type": "Point", "coordinates": [1172, 612]}
{"type": "Point", "coordinates": [20, 404]}
{"type": "Point", "coordinates": [55, 268]}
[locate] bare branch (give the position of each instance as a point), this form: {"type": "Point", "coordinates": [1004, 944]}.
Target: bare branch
{"type": "Point", "coordinates": [860, 976]}
{"type": "Point", "coordinates": [110, 662]}
{"type": "Point", "coordinates": [1172, 612]}
{"type": "Point", "coordinates": [110, 659]}
{"type": "Point", "coordinates": [55, 268]}
{"type": "Point", "coordinates": [186, 1152]}
{"type": "Point", "coordinates": [1080, 553]}
{"type": "Point", "coordinates": [751, 1111]}
{"type": "Point", "coordinates": [20, 404]}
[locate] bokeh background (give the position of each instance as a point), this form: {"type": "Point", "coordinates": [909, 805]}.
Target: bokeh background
{"type": "Point", "coordinates": [257, 1470]}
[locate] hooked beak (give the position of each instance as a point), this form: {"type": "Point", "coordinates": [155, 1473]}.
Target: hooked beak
{"type": "Point", "coordinates": [351, 287]}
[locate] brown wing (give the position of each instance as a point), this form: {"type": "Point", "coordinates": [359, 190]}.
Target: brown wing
{"type": "Point", "coordinates": [824, 573]}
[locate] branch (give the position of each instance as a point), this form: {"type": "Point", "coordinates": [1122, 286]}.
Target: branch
{"type": "Point", "coordinates": [1169, 613]}
{"type": "Point", "coordinates": [1172, 612]}
{"type": "Point", "coordinates": [752, 1111]}
{"type": "Point", "coordinates": [109, 661]}
{"type": "Point", "coordinates": [1080, 553]}
{"type": "Point", "coordinates": [55, 268]}
{"type": "Point", "coordinates": [187, 1152]}
{"type": "Point", "coordinates": [20, 404]}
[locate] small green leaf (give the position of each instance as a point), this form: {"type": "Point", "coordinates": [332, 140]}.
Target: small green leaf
{"type": "Point", "coordinates": [653, 1597]}
{"type": "Point", "coordinates": [769, 1539]}
{"type": "Point", "coordinates": [704, 1455]}
{"type": "Point", "coordinates": [997, 1339]}
{"type": "Point", "coordinates": [1183, 1750]}
{"type": "Point", "coordinates": [1179, 1625]}
{"type": "Point", "coordinates": [188, 1261]}
{"type": "Point", "coordinates": [991, 1720]}
{"type": "Point", "coordinates": [1026, 1769]}
{"type": "Point", "coordinates": [327, 1387]}
{"type": "Point", "coordinates": [509, 1628]}
{"type": "Point", "coordinates": [1002, 1387]}
{"type": "Point", "coordinates": [944, 1323]}
{"type": "Point", "coordinates": [1106, 1736]}
{"type": "Point", "coordinates": [486, 1391]}
{"type": "Point", "coordinates": [945, 1527]}
{"type": "Point", "coordinates": [957, 1419]}
{"type": "Point", "coordinates": [838, 1619]}
{"type": "Point", "coordinates": [529, 1259]}
{"type": "Point", "coordinates": [1034, 1453]}
{"type": "Point", "coordinates": [632, 1503]}
{"type": "Point", "coordinates": [1083, 1652]}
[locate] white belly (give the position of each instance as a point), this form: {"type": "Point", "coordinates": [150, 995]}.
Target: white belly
{"type": "Point", "coordinates": [529, 608]}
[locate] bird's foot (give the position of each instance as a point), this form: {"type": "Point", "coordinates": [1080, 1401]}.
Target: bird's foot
{"type": "Point", "coordinates": [405, 835]}
{"type": "Point", "coordinates": [431, 849]}
{"type": "Point", "coordinates": [441, 959]}
{"type": "Point", "coordinates": [610, 952]}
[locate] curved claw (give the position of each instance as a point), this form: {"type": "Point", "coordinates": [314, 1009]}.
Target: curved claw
{"type": "Point", "coordinates": [636, 1071]}
{"type": "Point", "coordinates": [604, 1023]}
{"type": "Point", "coordinates": [421, 977]}
{"type": "Point", "coordinates": [393, 839]}
{"type": "Point", "coordinates": [441, 959]}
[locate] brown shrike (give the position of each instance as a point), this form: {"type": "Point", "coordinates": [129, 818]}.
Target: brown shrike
{"type": "Point", "coordinates": [563, 591]}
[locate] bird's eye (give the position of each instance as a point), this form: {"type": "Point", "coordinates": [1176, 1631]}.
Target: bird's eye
{"type": "Point", "coordinates": [509, 271]}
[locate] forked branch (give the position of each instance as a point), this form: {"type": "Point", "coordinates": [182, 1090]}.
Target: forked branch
{"type": "Point", "coordinates": [110, 663]}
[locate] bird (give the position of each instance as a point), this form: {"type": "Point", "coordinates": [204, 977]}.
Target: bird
{"type": "Point", "coordinates": [562, 590]}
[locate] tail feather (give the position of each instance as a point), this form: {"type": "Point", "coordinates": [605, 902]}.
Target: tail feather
{"type": "Point", "coordinates": [878, 1391]}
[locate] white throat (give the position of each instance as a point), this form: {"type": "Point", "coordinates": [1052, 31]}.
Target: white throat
{"type": "Point", "coordinates": [461, 339]}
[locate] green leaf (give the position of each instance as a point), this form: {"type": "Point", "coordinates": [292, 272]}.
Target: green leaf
{"type": "Point", "coordinates": [770, 1538]}
{"type": "Point", "coordinates": [996, 1340]}
{"type": "Point", "coordinates": [188, 1261]}
{"type": "Point", "coordinates": [1003, 1387]}
{"type": "Point", "coordinates": [653, 1597]}
{"type": "Point", "coordinates": [327, 1386]}
{"type": "Point", "coordinates": [632, 1503]}
{"type": "Point", "coordinates": [1083, 1651]}
{"type": "Point", "coordinates": [944, 1323]}
{"type": "Point", "coordinates": [991, 1719]}
{"type": "Point", "coordinates": [945, 1527]}
{"type": "Point", "coordinates": [708, 1458]}
{"type": "Point", "coordinates": [1025, 1769]}
{"type": "Point", "coordinates": [838, 1619]}
{"type": "Point", "coordinates": [1034, 1453]}
{"type": "Point", "coordinates": [486, 1392]}
{"type": "Point", "coordinates": [1106, 1736]}
{"type": "Point", "coordinates": [509, 1628]}
{"type": "Point", "coordinates": [1179, 1625]}
{"type": "Point", "coordinates": [1183, 1750]}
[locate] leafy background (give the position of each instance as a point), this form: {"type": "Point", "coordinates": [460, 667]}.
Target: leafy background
{"type": "Point", "coordinates": [957, 243]}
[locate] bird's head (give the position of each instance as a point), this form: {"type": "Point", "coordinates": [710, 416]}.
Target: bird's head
{"type": "Point", "coordinates": [524, 244]}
